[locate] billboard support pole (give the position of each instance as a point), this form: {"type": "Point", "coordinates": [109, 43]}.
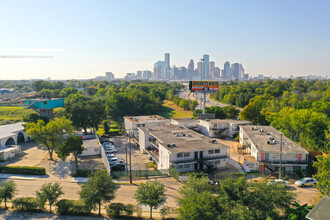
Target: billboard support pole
{"type": "Point", "coordinates": [204, 103]}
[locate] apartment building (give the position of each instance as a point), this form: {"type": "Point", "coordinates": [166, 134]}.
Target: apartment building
{"type": "Point", "coordinates": [132, 123]}
{"type": "Point", "coordinates": [182, 148]}
{"type": "Point", "coordinates": [263, 142]}
{"type": "Point", "coordinates": [221, 127]}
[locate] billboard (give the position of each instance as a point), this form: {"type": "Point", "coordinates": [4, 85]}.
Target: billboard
{"type": "Point", "coordinates": [204, 86]}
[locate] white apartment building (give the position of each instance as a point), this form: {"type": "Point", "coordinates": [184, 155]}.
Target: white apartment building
{"type": "Point", "coordinates": [221, 127]}
{"type": "Point", "coordinates": [182, 148]}
{"type": "Point", "coordinates": [185, 122]}
{"type": "Point", "coordinates": [132, 123]}
{"type": "Point", "coordinates": [263, 143]}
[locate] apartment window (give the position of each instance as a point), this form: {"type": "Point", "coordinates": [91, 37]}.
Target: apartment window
{"type": "Point", "coordinates": [187, 166]}
{"type": "Point", "coordinates": [217, 162]}
{"type": "Point", "coordinates": [210, 151]}
{"type": "Point", "coordinates": [180, 166]}
{"type": "Point", "coordinates": [186, 154]}
{"type": "Point", "coordinates": [217, 151]}
{"type": "Point", "coordinates": [179, 155]}
{"type": "Point", "coordinates": [138, 125]}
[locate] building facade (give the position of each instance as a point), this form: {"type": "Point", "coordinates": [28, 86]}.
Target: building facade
{"type": "Point", "coordinates": [183, 149]}
{"type": "Point", "coordinates": [263, 143]}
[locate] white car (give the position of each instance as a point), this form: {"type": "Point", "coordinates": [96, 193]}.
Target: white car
{"type": "Point", "coordinates": [110, 151]}
{"type": "Point", "coordinates": [307, 181]}
{"type": "Point", "coordinates": [279, 181]}
{"type": "Point", "coordinates": [116, 160]}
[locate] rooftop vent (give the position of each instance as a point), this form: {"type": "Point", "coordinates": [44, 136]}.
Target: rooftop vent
{"type": "Point", "coordinates": [213, 141]}
{"type": "Point", "coordinates": [271, 138]}
{"type": "Point", "coordinates": [183, 135]}
{"type": "Point", "coordinates": [255, 128]}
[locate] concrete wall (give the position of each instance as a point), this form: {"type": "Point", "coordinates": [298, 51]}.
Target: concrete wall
{"type": "Point", "coordinates": [164, 158]}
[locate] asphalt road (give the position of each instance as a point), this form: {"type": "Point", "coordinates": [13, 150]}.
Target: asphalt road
{"type": "Point", "coordinates": [199, 96]}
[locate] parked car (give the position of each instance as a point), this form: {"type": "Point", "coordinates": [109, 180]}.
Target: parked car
{"type": "Point", "coordinates": [117, 166]}
{"type": "Point", "coordinates": [307, 181]}
{"type": "Point", "coordinates": [110, 155]}
{"type": "Point", "coordinates": [116, 160]}
{"type": "Point", "coordinates": [278, 181]}
{"type": "Point", "coordinates": [110, 151]}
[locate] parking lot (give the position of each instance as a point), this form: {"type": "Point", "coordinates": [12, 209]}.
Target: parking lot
{"type": "Point", "coordinates": [139, 161]}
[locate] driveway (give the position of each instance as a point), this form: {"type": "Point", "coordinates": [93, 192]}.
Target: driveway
{"type": "Point", "coordinates": [32, 154]}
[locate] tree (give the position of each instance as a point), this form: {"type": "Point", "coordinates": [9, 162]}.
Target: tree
{"type": "Point", "coordinates": [196, 200]}
{"type": "Point", "coordinates": [49, 192]}
{"type": "Point", "coordinates": [7, 191]}
{"type": "Point", "coordinates": [323, 174]}
{"type": "Point", "coordinates": [106, 127]}
{"type": "Point", "coordinates": [99, 188]}
{"type": "Point", "coordinates": [151, 194]}
{"type": "Point", "coordinates": [85, 113]}
{"type": "Point", "coordinates": [49, 135]}
{"type": "Point", "coordinates": [235, 199]}
{"type": "Point", "coordinates": [250, 113]}
{"type": "Point", "coordinates": [74, 145]}
{"type": "Point", "coordinates": [34, 117]}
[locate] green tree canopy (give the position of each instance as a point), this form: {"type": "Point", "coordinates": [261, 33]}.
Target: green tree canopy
{"type": "Point", "coordinates": [72, 144]}
{"type": "Point", "coordinates": [99, 188]}
{"type": "Point", "coordinates": [49, 135]}
{"type": "Point", "coordinates": [151, 194]}
{"type": "Point", "coordinates": [49, 192]}
{"type": "Point", "coordinates": [7, 191]}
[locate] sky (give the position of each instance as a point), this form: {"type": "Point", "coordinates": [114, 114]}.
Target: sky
{"type": "Point", "coordinates": [89, 38]}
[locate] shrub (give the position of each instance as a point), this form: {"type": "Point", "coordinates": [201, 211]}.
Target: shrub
{"type": "Point", "coordinates": [138, 211]}
{"type": "Point", "coordinates": [174, 173]}
{"type": "Point", "coordinates": [83, 173]}
{"type": "Point", "coordinates": [115, 209]}
{"type": "Point", "coordinates": [23, 170]}
{"type": "Point", "coordinates": [27, 204]}
{"type": "Point", "coordinates": [129, 209]}
{"type": "Point", "coordinates": [72, 207]}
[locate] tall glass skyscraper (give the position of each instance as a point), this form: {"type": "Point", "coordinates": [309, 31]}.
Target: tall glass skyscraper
{"type": "Point", "coordinates": [206, 61]}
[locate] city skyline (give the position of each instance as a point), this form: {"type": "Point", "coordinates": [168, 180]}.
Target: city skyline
{"type": "Point", "coordinates": [270, 38]}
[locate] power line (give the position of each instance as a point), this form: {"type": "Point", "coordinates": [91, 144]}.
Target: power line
{"type": "Point", "coordinates": [23, 56]}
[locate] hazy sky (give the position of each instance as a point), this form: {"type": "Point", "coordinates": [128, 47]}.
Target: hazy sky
{"type": "Point", "coordinates": [91, 37]}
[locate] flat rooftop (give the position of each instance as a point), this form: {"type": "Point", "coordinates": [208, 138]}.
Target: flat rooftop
{"type": "Point", "coordinates": [185, 140]}
{"type": "Point", "coordinates": [144, 118]}
{"type": "Point", "coordinates": [259, 135]}
{"type": "Point", "coordinates": [90, 143]}
{"type": "Point", "coordinates": [232, 121]}
{"type": "Point", "coordinates": [9, 130]}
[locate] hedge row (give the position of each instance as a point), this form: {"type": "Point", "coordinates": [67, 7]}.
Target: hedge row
{"type": "Point", "coordinates": [118, 209]}
{"type": "Point", "coordinates": [72, 207]}
{"type": "Point", "coordinates": [28, 204]}
{"type": "Point", "coordinates": [23, 170]}
{"type": "Point", "coordinates": [83, 173]}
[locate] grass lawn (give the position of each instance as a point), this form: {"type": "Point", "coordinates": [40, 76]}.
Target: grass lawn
{"type": "Point", "coordinates": [13, 113]}
{"type": "Point", "coordinates": [171, 110]}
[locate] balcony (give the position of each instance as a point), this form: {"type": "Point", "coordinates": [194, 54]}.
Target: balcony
{"type": "Point", "coordinates": [154, 154]}
{"type": "Point", "coordinates": [154, 143]}
{"type": "Point", "coordinates": [284, 162]}
{"type": "Point", "coordinates": [193, 160]}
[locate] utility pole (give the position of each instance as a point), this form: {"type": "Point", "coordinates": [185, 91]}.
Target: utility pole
{"type": "Point", "coordinates": [126, 147]}
{"type": "Point", "coordinates": [280, 174]}
{"type": "Point", "coordinates": [130, 161]}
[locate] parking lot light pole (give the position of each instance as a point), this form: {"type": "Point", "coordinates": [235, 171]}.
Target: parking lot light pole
{"type": "Point", "coordinates": [126, 150]}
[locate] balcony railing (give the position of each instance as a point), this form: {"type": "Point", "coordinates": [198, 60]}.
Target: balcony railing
{"type": "Point", "coordinates": [154, 143]}
{"type": "Point", "coordinates": [154, 154]}
{"type": "Point", "coordinates": [191, 160]}
{"type": "Point", "coordinates": [286, 162]}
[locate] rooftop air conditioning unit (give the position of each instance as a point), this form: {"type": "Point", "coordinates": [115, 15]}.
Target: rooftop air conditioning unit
{"type": "Point", "coordinates": [173, 145]}
{"type": "Point", "coordinates": [183, 135]}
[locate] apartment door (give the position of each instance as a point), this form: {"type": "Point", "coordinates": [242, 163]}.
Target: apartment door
{"type": "Point", "coordinates": [299, 157]}
{"type": "Point", "coordinates": [200, 154]}
{"type": "Point", "coordinates": [262, 168]}
{"type": "Point", "coordinates": [266, 156]}
{"type": "Point", "coordinates": [196, 166]}
{"type": "Point", "coordinates": [262, 156]}
{"type": "Point", "coordinates": [196, 155]}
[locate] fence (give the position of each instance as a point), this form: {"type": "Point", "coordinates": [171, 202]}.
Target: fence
{"type": "Point", "coordinates": [139, 173]}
